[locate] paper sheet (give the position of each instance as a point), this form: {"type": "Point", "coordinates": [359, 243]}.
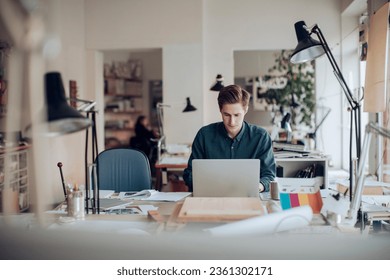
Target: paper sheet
{"type": "Point", "coordinates": [174, 160]}
{"type": "Point", "coordinates": [153, 195]}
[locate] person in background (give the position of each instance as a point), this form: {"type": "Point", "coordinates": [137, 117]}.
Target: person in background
{"type": "Point", "coordinates": [233, 138]}
{"type": "Point", "coordinates": [143, 136]}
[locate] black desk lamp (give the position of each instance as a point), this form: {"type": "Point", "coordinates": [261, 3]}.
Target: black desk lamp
{"type": "Point", "coordinates": [309, 49]}
{"type": "Point", "coordinates": [218, 84]}
{"type": "Point", "coordinates": [160, 116]}
{"type": "Point", "coordinates": [285, 124]}
{"type": "Point", "coordinates": [61, 117]}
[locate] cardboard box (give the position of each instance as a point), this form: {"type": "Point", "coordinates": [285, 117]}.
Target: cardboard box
{"type": "Point", "coordinates": [367, 190]}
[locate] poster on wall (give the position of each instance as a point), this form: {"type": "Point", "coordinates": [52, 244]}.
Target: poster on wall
{"type": "Point", "coordinates": [264, 91]}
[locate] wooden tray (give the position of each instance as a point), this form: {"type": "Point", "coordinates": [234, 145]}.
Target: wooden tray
{"type": "Point", "coordinates": [219, 209]}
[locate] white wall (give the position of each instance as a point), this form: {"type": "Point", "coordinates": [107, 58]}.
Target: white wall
{"type": "Point", "coordinates": [265, 25]}
{"type": "Point", "coordinates": [175, 27]}
{"type": "Point", "coordinates": [219, 26]}
{"type": "Point", "coordinates": [64, 21]}
{"type": "Point", "coordinates": [182, 78]}
{"type": "Point", "coordinates": [198, 39]}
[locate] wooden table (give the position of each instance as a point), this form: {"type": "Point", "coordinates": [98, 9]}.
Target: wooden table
{"type": "Point", "coordinates": [165, 163]}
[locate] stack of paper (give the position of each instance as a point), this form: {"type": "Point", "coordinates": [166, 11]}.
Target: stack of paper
{"type": "Point", "coordinates": [154, 195]}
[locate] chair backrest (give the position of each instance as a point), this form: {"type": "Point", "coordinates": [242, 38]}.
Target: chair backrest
{"type": "Point", "coordinates": [123, 169]}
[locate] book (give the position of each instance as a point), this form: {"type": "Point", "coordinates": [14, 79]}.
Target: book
{"type": "Point", "coordinates": [112, 203]}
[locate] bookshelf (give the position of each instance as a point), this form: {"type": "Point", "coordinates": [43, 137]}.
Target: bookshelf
{"type": "Point", "coordinates": [292, 165]}
{"type": "Point", "coordinates": [14, 164]}
{"type": "Point", "coordinates": [123, 98]}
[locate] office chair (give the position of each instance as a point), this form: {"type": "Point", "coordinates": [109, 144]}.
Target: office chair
{"type": "Point", "coordinates": [123, 169]}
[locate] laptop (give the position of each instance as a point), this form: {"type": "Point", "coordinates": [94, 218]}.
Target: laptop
{"type": "Point", "coordinates": [225, 177]}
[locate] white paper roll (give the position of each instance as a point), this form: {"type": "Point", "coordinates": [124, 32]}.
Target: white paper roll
{"type": "Point", "coordinates": [275, 222]}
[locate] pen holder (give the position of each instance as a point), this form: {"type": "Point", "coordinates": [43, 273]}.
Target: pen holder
{"type": "Point", "coordinates": [76, 205]}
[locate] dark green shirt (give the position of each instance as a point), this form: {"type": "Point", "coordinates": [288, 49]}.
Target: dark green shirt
{"type": "Point", "coordinates": [252, 142]}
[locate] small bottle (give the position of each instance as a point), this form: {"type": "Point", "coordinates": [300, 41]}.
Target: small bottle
{"type": "Point", "coordinates": [76, 204]}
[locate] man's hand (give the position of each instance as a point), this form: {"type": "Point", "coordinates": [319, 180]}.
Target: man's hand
{"type": "Point", "coordinates": [261, 187]}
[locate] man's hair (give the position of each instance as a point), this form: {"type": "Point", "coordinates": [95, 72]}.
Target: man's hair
{"type": "Point", "coordinates": [233, 94]}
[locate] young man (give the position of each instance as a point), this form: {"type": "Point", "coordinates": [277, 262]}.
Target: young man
{"type": "Point", "coordinates": [234, 138]}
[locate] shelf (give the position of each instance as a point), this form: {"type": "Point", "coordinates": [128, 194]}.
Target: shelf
{"type": "Point", "coordinates": [123, 78]}
{"type": "Point", "coordinates": [292, 165]}
{"type": "Point", "coordinates": [13, 162]}
{"type": "Point", "coordinates": [123, 98]}
{"type": "Point", "coordinates": [119, 129]}
{"type": "Point", "coordinates": [122, 86]}
{"type": "Point", "coordinates": [123, 112]}
{"type": "Point", "coordinates": [124, 95]}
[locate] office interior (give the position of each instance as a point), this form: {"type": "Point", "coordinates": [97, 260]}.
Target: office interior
{"type": "Point", "coordinates": [182, 46]}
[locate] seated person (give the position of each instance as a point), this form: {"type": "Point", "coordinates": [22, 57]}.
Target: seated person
{"type": "Point", "coordinates": [143, 136]}
{"type": "Point", "coordinates": [233, 138]}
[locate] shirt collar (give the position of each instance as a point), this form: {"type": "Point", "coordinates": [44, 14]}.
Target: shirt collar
{"type": "Point", "coordinates": [239, 135]}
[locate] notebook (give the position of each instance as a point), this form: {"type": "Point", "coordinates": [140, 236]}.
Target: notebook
{"type": "Point", "coordinates": [225, 177]}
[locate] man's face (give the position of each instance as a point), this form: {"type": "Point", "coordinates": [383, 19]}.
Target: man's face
{"type": "Point", "coordinates": [233, 117]}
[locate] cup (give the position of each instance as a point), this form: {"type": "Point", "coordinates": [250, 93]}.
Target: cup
{"type": "Point", "coordinates": [274, 190]}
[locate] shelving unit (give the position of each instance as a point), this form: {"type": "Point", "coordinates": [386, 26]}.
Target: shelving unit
{"type": "Point", "coordinates": [123, 105]}
{"type": "Point", "coordinates": [15, 160]}
{"type": "Point", "coordinates": [292, 165]}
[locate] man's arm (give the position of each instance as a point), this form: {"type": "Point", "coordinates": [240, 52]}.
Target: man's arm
{"type": "Point", "coordinates": [196, 153]}
{"type": "Point", "coordinates": [268, 166]}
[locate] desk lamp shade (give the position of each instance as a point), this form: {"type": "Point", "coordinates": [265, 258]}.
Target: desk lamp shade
{"type": "Point", "coordinates": [189, 107]}
{"type": "Point", "coordinates": [62, 118]}
{"type": "Point", "coordinates": [307, 49]}
{"type": "Point", "coordinates": [218, 84]}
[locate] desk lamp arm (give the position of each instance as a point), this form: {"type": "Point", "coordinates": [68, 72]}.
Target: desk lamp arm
{"type": "Point", "coordinates": [353, 102]}
{"type": "Point", "coordinates": [87, 105]}
{"type": "Point", "coordinates": [159, 146]}
{"type": "Point", "coordinates": [159, 108]}
{"type": "Point", "coordinates": [371, 128]}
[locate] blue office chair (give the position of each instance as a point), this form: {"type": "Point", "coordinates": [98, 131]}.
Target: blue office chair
{"type": "Point", "coordinates": [122, 170]}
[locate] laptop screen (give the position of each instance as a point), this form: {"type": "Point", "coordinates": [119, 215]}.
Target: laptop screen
{"type": "Point", "coordinates": [225, 177]}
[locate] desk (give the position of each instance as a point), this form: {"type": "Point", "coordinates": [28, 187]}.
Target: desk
{"type": "Point", "coordinates": [168, 162]}
{"type": "Point", "coordinates": [134, 237]}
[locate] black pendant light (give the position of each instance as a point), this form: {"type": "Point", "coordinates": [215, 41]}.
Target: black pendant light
{"type": "Point", "coordinates": [189, 107]}
{"type": "Point", "coordinates": [218, 84]}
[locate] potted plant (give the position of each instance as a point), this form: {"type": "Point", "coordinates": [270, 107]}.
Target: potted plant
{"type": "Point", "coordinates": [290, 88]}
